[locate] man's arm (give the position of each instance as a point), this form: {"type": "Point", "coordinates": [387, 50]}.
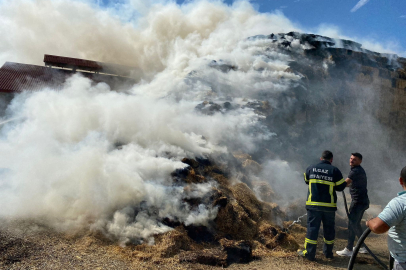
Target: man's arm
{"type": "Point", "coordinates": [306, 178]}
{"type": "Point", "coordinates": [377, 225]}
{"type": "Point", "coordinates": [392, 215]}
{"type": "Point", "coordinates": [348, 181]}
{"type": "Point", "coordinates": [339, 180]}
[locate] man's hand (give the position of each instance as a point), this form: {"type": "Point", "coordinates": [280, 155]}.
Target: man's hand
{"type": "Point", "coordinates": [349, 181]}
{"type": "Point", "coordinates": [377, 225]}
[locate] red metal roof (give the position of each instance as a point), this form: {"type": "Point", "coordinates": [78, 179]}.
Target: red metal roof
{"type": "Point", "coordinates": [62, 61]}
{"type": "Point", "coordinates": [16, 77]}
{"type": "Point", "coordinates": [88, 65]}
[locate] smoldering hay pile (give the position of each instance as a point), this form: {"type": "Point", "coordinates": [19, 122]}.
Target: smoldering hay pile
{"type": "Point", "coordinates": [167, 164]}
{"type": "Point", "coordinates": [155, 162]}
{"type": "Point", "coordinates": [137, 170]}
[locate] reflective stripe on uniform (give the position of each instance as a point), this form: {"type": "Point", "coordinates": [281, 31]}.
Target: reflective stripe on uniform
{"type": "Point", "coordinates": [331, 192]}
{"type": "Point", "coordinates": [321, 204]}
{"type": "Point", "coordinates": [307, 240]}
{"type": "Point", "coordinates": [305, 178]}
{"type": "Point", "coordinates": [328, 242]}
{"type": "Point", "coordinates": [340, 182]}
{"type": "Point", "coordinates": [318, 181]}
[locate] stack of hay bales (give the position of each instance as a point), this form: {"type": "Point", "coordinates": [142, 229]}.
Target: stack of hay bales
{"type": "Point", "coordinates": [244, 224]}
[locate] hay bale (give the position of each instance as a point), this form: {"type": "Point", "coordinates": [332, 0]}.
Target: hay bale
{"type": "Point", "coordinates": [288, 242]}
{"type": "Point", "coordinates": [239, 214]}
{"type": "Point", "coordinates": [233, 221]}
{"type": "Point", "coordinates": [256, 210]}
{"type": "Point", "coordinates": [247, 200]}
{"type": "Point", "coordinates": [240, 211]}
{"type": "Point", "coordinates": [187, 175]}
{"type": "Point", "coordinates": [170, 243]}
{"type": "Point", "coordinates": [221, 179]}
{"type": "Point", "coordinates": [191, 162]}
{"type": "Point", "coordinates": [259, 249]}
{"type": "Point", "coordinates": [272, 237]}
{"type": "Point", "coordinates": [295, 228]}
{"type": "Point", "coordinates": [221, 201]}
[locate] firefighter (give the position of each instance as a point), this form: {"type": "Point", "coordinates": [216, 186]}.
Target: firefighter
{"type": "Point", "coordinates": [324, 180]}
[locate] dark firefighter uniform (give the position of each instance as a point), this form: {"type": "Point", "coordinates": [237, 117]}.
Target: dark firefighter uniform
{"type": "Point", "coordinates": [324, 180]}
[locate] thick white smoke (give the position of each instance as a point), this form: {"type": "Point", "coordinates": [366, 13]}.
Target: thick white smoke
{"type": "Point", "coordinates": [61, 161]}
{"type": "Point", "coordinates": [167, 35]}
{"type": "Point", "coordinates": [63, 166]}
{"type": "Point", "coordinates": [87, 157]}
{"type": "Point", "coordinates": [136, 33]}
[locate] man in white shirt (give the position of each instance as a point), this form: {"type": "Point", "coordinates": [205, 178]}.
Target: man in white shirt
{"type": "Point", "coordinates": [393, 219]}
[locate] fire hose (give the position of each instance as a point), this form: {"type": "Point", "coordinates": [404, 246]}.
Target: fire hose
{"type": "Point", "coordinates": [361, 239]}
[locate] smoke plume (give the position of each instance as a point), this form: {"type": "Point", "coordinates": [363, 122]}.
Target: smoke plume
{"type": "Point", "coordinates": [87, 157]}
{"type": "Point", "coordinates": [90, 158]}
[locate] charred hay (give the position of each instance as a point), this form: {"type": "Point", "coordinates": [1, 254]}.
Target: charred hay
{"type": "Point", "coordinates": [242, 218]}
{"type": "Point", "coordinates": [238, 234]}
{"type": "Point", "coordinates": [243, 230]}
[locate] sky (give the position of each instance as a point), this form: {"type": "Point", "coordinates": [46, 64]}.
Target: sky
{"type": "Point", "coordinates": [373, 20]}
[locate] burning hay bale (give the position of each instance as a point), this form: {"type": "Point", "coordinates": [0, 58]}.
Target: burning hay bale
{"type": "Point", "coordinates": [243, 222]}
{"type": "Point", "coordinates": [247, 200]}
{"type": "Point", "coordinates": [171, 243]}
{"type": "Point", "coordinates": [292, 227]}
{"type": "Point", "coordinates": [256, 209]}
{"type": "Point", "coordinates": [241, 219]}
{"type": "Point", "coordinates": [233, 221]}
{"type": "Point", "coordinates": [271, 237]}
{"type": "Point", "coordinates": [187, 175]}
{"type": "Point", "coordinates": [241, 228]}
{"type": "Point", "coordinates": [241, 212]}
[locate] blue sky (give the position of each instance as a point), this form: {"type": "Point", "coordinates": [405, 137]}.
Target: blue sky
{"type": "Point", "coordinates": [383, 21]}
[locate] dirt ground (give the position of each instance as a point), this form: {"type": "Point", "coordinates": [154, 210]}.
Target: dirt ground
{"type": "Point", "coordinates": [31, 247]}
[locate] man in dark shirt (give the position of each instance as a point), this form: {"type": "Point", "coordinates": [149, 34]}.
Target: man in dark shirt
{"type": "Point", "coordinates": [357, 180]}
